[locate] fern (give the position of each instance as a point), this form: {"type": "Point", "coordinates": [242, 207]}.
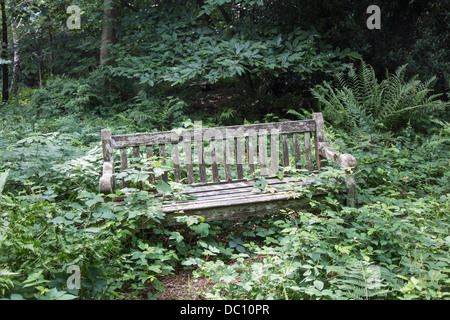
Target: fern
{"type": "Point", "coordinates": [362, 105]}
{"type": "Point", "coordinates": [361, 281]}
{"type": "Point", "coordinates": [152, 112]}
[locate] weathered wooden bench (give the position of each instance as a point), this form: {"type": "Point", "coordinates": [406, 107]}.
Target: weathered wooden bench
{"type": "Point", "coordinates": [220, 164]}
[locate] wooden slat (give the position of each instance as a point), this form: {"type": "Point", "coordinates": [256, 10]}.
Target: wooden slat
{"type": "Point", "coordinates": [278, 187]}
{"type": "Point", "coordinates": [240, 184]}
{"type": "Point", "coordinates": [285, 148]}
{"type": "Point", "coordinates": [308, 157]}
{"type": "Point", "coordinates": [176, 163]}
{"type": "Point", "coordinates": [124, 165]}
{"type": "Point", "coordinates": [239, 153]}
{"type": "Point", "coordinates": [201, 161]}
{"type": "Point", "coordinates": [163, 154]}
{"type": "Point", "coordinates": [262, 151]}
{"type": "Point", "coordinates": [214, 162]}
{"type": "Point", "coordinates": [189, 164]}
{"type": "Point", "coordinates": [247, 199]}
{"type": "Point", "coordinates": [274, 154]}
{"type": "Point", "coordinates": [149, 152]}
{"type": "Point", "coordinates": [227, 159]}
{"type": "Point", "coordinates": [136, 152]}
{"type": "Point", "coordinates": [259, 207]}
{"type": "Point", "coordinates": [316, 150]}
{"type": "Point", "coordinates": [296, 145]}
{"type": "Point", "coordinates": [251, 155]}
{"type": "Point", "coordinates": [167, 137]}
{"type": "Point", "coordinates": [319, 136]}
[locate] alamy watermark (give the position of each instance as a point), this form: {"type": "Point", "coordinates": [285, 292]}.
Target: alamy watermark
{"type": "Point", "coordinates": [373, 22]}
{"type": "Point", "coordinates": [74, 280]}
{"type": "Point", "coordinates": [224, 140]}
{"type": "Point", "coordinates": [74, 21]}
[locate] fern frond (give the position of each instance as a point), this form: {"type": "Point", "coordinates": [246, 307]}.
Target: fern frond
{"type": "Point", "coordinates": [361, 282]}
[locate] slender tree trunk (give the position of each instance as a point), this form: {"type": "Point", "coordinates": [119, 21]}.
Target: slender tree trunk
{"type": "Point", "coordinates": [109, 26]}
{"type": "Point", "coordinates": [40, 72]}
{"type": "Point", "coordinates": [5, 90]}
{"type": "Point", "coordinates": [50, 38]}
{"type": "Point", "coordinates": [16, 60]}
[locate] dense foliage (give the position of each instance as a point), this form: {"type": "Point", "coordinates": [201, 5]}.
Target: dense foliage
{"type": "Point", "coordinates": [384, 94]}
{"type": "Point", "coordinates": [52, 218]}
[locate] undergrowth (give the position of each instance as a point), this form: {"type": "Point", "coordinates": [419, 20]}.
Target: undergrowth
{"type": "Point", "coordinates": [394, 245]}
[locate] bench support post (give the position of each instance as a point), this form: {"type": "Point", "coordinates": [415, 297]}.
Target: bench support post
{"type": "Point", "coordinates": [346, 161]}
{"type": "Point", "coordinates": [107, 182]}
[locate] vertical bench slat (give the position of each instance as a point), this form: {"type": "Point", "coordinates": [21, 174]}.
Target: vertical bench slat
{"type": "Point", "coordinates": [295, 142]}
{"type": "Point", "coordinates": [136, 152]}
{"type": "Point", "coordinates": [136, 156]}
{"type": "Point", "coordinates": [149, 152]}
{"type": "Point", "coordinates": [176, 163]}
{"type": "Point", "coordinates": [188, 154]}
{"type": "Point", "coordinates": [285, 148]}
{"type": "Point", "coordinates": [262, 150]}
{"type": "Point", "coordinates": [274, 153]}
{"type": "Point", "coordinates": [214, 162]}
{"type": "Point", "coordinates": [308, 158]}
{"type": "Point", "coordinates": [201, 161]}
{"type": "Point", "coordinates": [124, 165]}
{"type": "Point", "coordinates": [239, 158]}
{"type": "Point", "coordinates": [316, 150]}
{"type": "Point", "coordinates": [319, 135]}
{"type": "Point", "coordinates": [251, 155]}
{"type": "Point", "coordinates": [227, 159]}
{"type": "Point", "coordinates": [162, 154]}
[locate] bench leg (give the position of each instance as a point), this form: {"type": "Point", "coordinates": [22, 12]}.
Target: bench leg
{"type": "Point", "coordinates": [351, 192]}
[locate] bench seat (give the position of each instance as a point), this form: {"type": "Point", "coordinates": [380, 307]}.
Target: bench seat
{"type": "Point", "coordinates": [232, 200]}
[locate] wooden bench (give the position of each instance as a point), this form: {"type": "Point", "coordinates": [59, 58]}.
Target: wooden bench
{"type": "Point", "coordinates": [221, 164]}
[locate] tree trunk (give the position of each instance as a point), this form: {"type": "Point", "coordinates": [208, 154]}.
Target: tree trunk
{"type": "Point", "coordinates": [50, 38]}
{"type": "Point", "coordinates": [5, 90]}
{"type": "Point", "coordinates": [108, 32]}
{"type": "Point", "coordinates": [16, 60]}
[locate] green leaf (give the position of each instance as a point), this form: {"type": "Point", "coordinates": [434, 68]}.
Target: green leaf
{"type": "Point", "coordinates": [109, 215]}
{"type": "Point", "coordinates": [176, 236]}
{"type": "Point", "coordinates": [318, 284]}
{"type": "Point", "coordinates": [60, 220]}
{"type": "Point", "coordinates": [163, 187]}
{"type": "Point", "coordinates": [154, 268]}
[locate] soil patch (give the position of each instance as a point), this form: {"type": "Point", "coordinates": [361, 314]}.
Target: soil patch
{"type": "Point", "coordinates": [183, 286]}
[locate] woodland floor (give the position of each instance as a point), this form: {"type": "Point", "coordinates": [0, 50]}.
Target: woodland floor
{"type": "Point", "coordinates": [183, 286]}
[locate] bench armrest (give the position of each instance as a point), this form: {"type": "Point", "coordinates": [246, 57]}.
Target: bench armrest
{"type": "Point", "coordinates": [346, 161]}
{"type": "Point", "coordinates": [106, 185]}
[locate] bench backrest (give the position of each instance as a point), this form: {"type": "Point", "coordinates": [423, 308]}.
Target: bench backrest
{"type": "Point", "coordinates": [202, 155]}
